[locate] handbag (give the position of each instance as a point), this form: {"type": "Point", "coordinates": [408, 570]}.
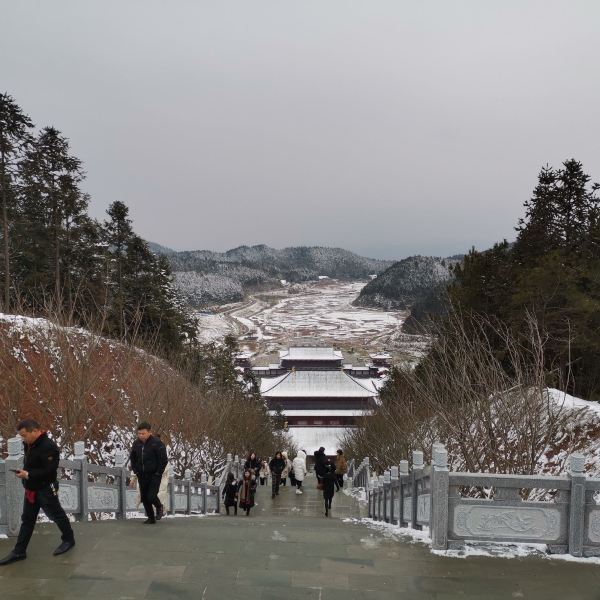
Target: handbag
{"type": "Point", "coordinates": [320, 485]}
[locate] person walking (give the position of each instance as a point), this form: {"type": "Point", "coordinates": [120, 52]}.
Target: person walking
{"type": "Point", "coordinates": [276, 467]}
{"type": "Point", "coordinates": [39, 478]}
{"type": "Point", "coordinates": [340, 467]}
{"type": "Point", "coordinates": [263, 474]}
{"type": "Point", "coordinates": [330, 484]}
{"type": "Point", "coordinates": [286, 469]}
{"type": "Point", "coordinates": [320, 459]}
{"type": "Point", "coordinates": [230, 494]}
{"type": "Point", "coordinates": [252, 464]}
{"type": "Point", "coordinates": [299, 466]}
{"type": "Point", "coordinates": [246, 491]}
{"type": "Point", "coordinates": [148, 459]}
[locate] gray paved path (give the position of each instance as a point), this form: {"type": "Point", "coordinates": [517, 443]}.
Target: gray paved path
{"type": "Point", "coordinates": [285, 550]}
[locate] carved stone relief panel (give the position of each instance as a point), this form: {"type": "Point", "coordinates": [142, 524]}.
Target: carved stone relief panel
{"type": "Point", "coordinates": [180, 501]}
{"type": "Point", "coordinates": [594, 526]}
{"type": "Point", "coordinates": [500, 522]}
{"type": "Point", "coordinates": [68, 494]}
{"type": "Point", "coordinates": [423, 508]}
{"type": "Point", "coordinates": [106, 499]}
{"type": "Point", "coordinates": [132, 499]}
{"type": "Point", "coordinates": [407, 509]}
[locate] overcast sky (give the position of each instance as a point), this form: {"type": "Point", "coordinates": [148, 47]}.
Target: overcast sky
{"type": "Point", "coordinates": [388, 128]}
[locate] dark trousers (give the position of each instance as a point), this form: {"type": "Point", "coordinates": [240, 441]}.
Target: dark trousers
{"type": "Point", "coordinates": [149, 486]}
{"type": "Point", "coordinates": [299, 484]}
{"type": "Point", "coordinates": [340, 480]}
{"type": "Point", "coordinates": [275, 481]}
{"type": "Point", "coordinates": [262, 480]}
{"type": "Point", "coordinates": [47, 500]}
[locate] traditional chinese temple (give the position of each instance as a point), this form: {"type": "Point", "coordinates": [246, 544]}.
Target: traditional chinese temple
{"type": "Point", "coordinates": [318, 394]}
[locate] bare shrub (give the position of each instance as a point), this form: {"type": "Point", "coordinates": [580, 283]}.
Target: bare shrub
{"type": "Point", "coordinates": [492, 411]}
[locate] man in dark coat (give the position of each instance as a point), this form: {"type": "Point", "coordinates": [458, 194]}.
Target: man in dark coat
{"type": "Point", "coordinates": [276, 465]}
{"type": "Point", "coordinates": [148, 461]}
{"type": "Point", "coordinates": [41, 490]}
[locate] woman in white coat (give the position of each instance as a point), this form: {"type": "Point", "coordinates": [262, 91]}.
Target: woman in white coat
{"type": "Point", "coordinates": [299, 466]}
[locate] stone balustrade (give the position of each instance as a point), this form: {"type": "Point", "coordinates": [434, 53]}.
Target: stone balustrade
{"type": "Point", "coordinates": [85, 488]}
{"type": "Point", "coordinates": [431, 496]}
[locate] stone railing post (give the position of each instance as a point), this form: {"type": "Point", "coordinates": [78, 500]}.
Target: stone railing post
{"type": "Point", "coordinates": [237, 466]}
{"type": "Point", "coordinates": [120, 461]}
{"type": "Point", "coordinates": [577, 504]}
{"type": "Point", "coordinates": [438, 521]}
{"type": "Point", "coordinates": [188, 488]}
{"type": "Point", "coordinates": [417, 472]}
{"type": "Point", "coordinates": [171, 489]}
{"type": "Point", "coordinates": [380, 497]}
{"type": "Point", "coordinates": [203, 483]}
{"type": "Point", "coordinates": [367, 475]}
{"type": "Point", "coordinates": [14, 487]}
{"type": "Point", "coordinates": [387, 480]}
{"type": "Point", "coordinates": [374, 489]}
{"type": "Point", "coordinates": [394, 479]}
{"type": "Point", "coordinates": [79, 455]}
{"type": "Point", "coordinates": [404, 479]}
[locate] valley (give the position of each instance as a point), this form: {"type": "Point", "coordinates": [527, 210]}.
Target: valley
{"type": "Point", "coordinates": [322, 309]}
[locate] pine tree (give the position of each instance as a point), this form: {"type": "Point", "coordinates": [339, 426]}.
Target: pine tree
{"type": "Point", "coordinates": [118, 235]}
{"type": "Point", "coordinates": [14, 139]}
{"type": "Point", "coordinates": [537, 230]}
{"type": "Point", "coordinates": [51, 194]}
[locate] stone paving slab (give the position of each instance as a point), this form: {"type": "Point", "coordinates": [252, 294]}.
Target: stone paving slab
{"type": "Point", "coordinates": [286, 549]}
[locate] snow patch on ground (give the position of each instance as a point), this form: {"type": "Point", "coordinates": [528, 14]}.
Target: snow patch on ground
{"type": "Point", "coordinates": [278, 537]}
{"type": "Point", "coordinates": [487, 549]}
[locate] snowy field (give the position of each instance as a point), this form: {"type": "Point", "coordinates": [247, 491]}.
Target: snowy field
{"type": "Point", "coordinates": [325, 309]}
{"type": "Point", "coordinates": [322, 309]}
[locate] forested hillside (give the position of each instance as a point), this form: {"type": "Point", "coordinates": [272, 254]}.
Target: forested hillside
{"type": "Point", "coordinates": [93, 335]}
{"type": "Point", "coordinates": [551, 274]}
{"type": "Point", "coordinates": [57, 260]}
{"type": "Point", "coordinates": [221, 276]}
{"type": "Point", "coordinates": [406, 282]}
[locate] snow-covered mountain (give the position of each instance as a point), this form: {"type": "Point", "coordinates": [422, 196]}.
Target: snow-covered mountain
{"type": "Point", "coordinates": [406, 282]}
{"type": "Point", "coordinates": [221, 277]}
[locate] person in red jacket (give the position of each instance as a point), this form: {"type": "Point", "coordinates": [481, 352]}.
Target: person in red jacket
{"type": "Point", "coordinates": [41, 490]}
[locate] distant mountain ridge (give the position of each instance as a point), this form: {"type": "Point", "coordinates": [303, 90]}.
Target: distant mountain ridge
{"type": "Point", "coordinates": [205, 277]}
{"type": "Point", "coordinates": [407, 282]}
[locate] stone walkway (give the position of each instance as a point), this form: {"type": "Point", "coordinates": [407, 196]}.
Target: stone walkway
{"type": "Point", "coordinates": [285, 550]}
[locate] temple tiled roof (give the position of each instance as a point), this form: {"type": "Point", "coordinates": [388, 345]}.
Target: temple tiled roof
{"type": "Point", "coordinates": [317, 384]}
{"type": "Point", "coordinates": [310, 354]}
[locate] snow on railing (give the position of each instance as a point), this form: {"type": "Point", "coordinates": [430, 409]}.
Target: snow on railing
{"type": "Point", "coordinates": [430, 496]}
{"type": "Point", "coordinates": [86, 488]}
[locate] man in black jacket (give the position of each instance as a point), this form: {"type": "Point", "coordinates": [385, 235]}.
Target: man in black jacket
{"type": "Point", "coordinates": [276, 465]}
{"type": "Point", "coordinates": [148, 461]}
{"type": "Point", "coordinates": [41, 490]}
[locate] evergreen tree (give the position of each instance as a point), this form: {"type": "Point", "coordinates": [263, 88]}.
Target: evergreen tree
{"type": "Point", "coordinates": [118, 235]}
{"type": "Point", "coordinates": [14, 139]}
{"type": "Point", "coordinates": [51, 196]}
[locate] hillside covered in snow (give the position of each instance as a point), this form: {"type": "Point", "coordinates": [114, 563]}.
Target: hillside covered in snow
{"type": "Point", "coordinates": [221, 277]}
{"type": "Point", "coordinates": [406, 282]}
